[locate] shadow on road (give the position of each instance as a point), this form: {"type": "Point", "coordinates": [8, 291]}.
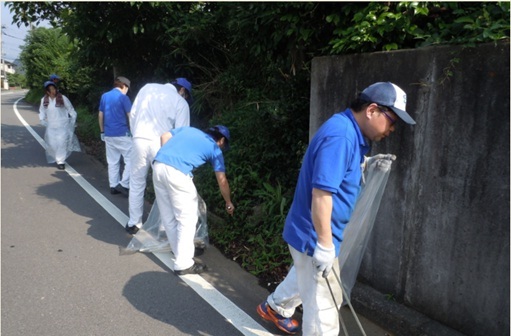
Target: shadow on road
{"type": "Point", "coordinates": [155, 294]}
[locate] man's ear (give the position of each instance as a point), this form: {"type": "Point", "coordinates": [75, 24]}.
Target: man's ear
{"type": "Point", "coordinates": [370, 109]}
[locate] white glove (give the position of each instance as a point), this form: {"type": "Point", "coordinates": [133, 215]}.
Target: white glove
{"type": "Point", "coordinates": [323, 259]}
{"type": "Point", "coordinates": [372, 159]}
{"type": "Point", "coordinates": [102, 136]}
{"type": "Point", "coordinates": [44, 123]}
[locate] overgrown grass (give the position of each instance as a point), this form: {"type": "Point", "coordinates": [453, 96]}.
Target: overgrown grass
{"type": "Point", "coordinates": [262, 167]}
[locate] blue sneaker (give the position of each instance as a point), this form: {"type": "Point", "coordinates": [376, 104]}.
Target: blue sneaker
{"type": "Point", "coordinates": [287, 325]}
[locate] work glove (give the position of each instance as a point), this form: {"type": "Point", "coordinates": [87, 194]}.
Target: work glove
{"type": "Point", "coordinates": [323, 259]}
{"type": "Point", "coordinates": [44, 123]}
{"type": "Point", "coordinates": [102, 136]}
{"type": "Point", "coordinates": [368, 161]}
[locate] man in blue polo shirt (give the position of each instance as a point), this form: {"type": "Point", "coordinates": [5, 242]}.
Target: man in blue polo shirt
{"type": "Point", "coordinates": [113, 117]}
{"type": "Point", "coordinates": [326, 192]}
{"type": "Point", "coordinates": [183, 150]}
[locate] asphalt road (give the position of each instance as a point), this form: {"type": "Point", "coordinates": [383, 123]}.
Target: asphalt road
{"type": "Point", "coordinates": [62, 273]}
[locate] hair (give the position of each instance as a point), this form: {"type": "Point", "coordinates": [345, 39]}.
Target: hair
{"type": "Point", "coordinates": [215, 133]}
{"type": "Point", "coordinates": [359, 104]}
{"type": "Point", "coordinates": [119, 84]}
{"type": "Point", "coordinates": [178, 87]}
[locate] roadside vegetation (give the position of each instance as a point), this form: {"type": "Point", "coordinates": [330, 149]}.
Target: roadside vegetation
{"type": "Point", "coordinates": [250, 66]}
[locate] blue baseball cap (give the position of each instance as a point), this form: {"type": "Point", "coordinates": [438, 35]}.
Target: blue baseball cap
{"type": "Point", "coordinates": [48, 83]}
{"type": "Point", "coordinates": [186, 84]}
{"type": "Point", "coordinates": [389, 95]}
{"type": "Point", "coordinates": [225, 132]}
{"type": "Point", "coordinates": [54, 76]}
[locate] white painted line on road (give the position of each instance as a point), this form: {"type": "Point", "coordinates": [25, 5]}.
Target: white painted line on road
{"type": "Point", "coordinates": [237, 317]}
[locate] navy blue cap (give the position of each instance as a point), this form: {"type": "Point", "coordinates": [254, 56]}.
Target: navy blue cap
{"type": "Point", "coordinates": [48, 83]}
{"type": "Point", "coordinates": [389, 95]}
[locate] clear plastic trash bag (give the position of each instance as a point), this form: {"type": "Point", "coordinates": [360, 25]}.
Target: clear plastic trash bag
{"type": "Point", "coordinates": [358, 230]}
{"type": "Point", "coordinates": [153, 238]}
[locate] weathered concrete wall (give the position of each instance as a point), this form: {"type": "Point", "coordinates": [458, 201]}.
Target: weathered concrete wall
{"type": "Point", "coordinates": [441, 240]}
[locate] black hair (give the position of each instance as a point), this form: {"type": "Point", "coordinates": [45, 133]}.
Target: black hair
{"type": "Point", "coordinates": [215, 133]}
{"type": "Point", "coordinates": [359, 104]}
{"type": "Point", "coordinates": [119, 84]}
{"type": "Point", "coordinates": [178, 87]}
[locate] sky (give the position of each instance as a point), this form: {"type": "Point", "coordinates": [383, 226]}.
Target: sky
{"type": "Point", "coordinates": [12, 36]}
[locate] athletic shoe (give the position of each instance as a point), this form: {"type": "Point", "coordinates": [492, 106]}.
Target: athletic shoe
{"type": "Point", "coordinates": [194, 269]}
{"type": "Point", "coordinates": [61, 166]}
{"type": "Point", "coordinates": [120, 189]}
{"type": "Point", "coordinates": [114, 191]}
{"type": "Point", "coordinates": [287, 325]}
{"type": "Point", "coordinates": [131, 229]}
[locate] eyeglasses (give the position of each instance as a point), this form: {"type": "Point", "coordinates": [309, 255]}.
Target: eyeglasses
{"type": "Point", "coordinates": [384, 111]}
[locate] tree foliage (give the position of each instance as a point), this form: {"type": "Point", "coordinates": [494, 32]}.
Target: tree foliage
{"type": "Point", "coordinates": [46, 51]}
{"type": "Point", "coordinates": [16, 79]}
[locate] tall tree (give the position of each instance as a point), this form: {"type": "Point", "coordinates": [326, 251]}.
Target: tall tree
{"type": "Point", "coordinates": [46, 51]}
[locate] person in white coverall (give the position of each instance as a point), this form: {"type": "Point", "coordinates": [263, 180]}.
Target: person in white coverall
{"type": "Point", "coordinates": [59, 116]}
{"type": "Point", "coordinates": [114, 110]}
{"type": "Point", "coordinates": [157, 109]}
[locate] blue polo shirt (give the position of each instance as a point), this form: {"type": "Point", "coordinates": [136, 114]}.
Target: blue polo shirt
{"type": "Point", "coordinates": [115, 106]}
{"type": "Point", "coordinates": [190, 148]}
{"type": "Point", "coordinates": [331, 163]}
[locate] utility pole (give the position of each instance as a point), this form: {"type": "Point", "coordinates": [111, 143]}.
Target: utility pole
{"type": "Point", "coordinates": [3, 75]}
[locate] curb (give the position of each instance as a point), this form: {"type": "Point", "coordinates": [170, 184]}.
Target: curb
{"type": "Point", "coordinates": [396, 317]}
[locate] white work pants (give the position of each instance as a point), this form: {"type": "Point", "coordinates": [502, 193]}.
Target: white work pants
{"type": "Point", "coordinates": [178, 202]}
{"type": "Point", "coordinates": [304, 285]}
{"type": "Point", "coordinates": [143, 152]}
{"type": "Point", "coordinates": [115, 148]}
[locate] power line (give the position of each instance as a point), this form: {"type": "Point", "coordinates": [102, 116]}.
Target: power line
{"type": "Point", "coordinates": [4, 33]}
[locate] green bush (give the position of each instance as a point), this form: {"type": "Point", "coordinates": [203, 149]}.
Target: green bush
{"type": "Point", "coordinates": [34, 96]}
{"type": "Point", "coordinates": [262, 167]}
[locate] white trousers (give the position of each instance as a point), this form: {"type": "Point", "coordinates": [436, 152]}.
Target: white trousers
{"type": "Point", "coordinates": [304, 285]}
{"type": "Point", "coordinates": [178, 202]}
{"type": "Point", "coordinates": [143, 152]}
{"type": "Point", "coordinates": [117, 147]}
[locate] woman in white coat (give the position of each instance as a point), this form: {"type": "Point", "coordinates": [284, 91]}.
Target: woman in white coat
{"type": "Point", "coordinates": [59, 116]}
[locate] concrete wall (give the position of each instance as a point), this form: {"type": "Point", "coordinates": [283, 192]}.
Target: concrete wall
{"type": "Point", "coordinates": [441, 239]}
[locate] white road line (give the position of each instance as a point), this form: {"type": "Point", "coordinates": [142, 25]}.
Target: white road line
{"type": "Point", "coordinates": [237, 317]}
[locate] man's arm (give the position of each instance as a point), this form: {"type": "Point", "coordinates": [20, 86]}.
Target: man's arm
{"type": "Point", "coordinates": [324, 253]}
{"type": "Point", "coordinates": [101, 120]}
{"type": "Point", "coordinates": [322, 216]}
{"type": "Point", "coordinates": [223, 184]}
{"type": "Point", "coordinates": [164, 138]}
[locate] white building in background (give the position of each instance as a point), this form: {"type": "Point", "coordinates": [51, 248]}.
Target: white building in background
{"type": "Point", "coordinates": [6, 68]}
